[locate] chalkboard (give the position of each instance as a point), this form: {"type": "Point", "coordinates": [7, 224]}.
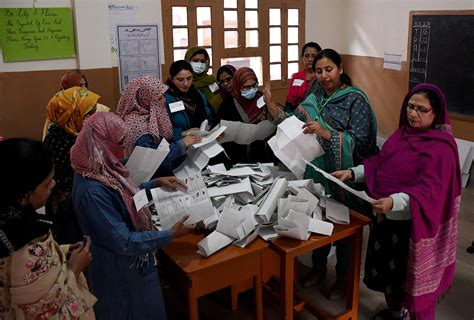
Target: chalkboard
{"type": "Point", "coordinates": [441, 51]}
{"type": "Point", "coordinates": [36, 34]}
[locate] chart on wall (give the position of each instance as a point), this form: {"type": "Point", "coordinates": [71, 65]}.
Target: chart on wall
{"type": "Point", "coordinates": [139, 53]}
{"type": "Point", "coordinates": [36, 34]}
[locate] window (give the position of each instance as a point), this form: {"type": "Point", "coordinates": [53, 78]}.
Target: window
{"type": "Point", "coordinates": [264, 35]}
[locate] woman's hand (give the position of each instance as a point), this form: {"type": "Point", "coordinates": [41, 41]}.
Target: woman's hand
{"type": "Point", "coordinates": [314, 127]}
{"type": "Point", "coordinates": [383, 205]}
{"type": "Point", "coordinates": [220, 137]}
{"type": "Point", "coordinates": [80, 257]}
{"type": "Point", "coordinates": [171, 183]}
{"type": "Point", "coordinates": [187, 132]}
{"type": "Point", "coordinates": [272, 107]}
{"type": "Point", "coordinates": [180, 229]}
{"type": "Point", "coordinates": [190, 140]}
{"type": "Point", "coordinates": [343, 175]}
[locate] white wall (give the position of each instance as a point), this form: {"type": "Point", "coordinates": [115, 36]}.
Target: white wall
{"type": "Point", "coordinates": [368, 27]}
{"type": "Point", "coordinates": [91, 19]}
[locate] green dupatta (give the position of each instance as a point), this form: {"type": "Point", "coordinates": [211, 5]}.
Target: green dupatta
{"type": "Point", "coordinates": [340, 148]}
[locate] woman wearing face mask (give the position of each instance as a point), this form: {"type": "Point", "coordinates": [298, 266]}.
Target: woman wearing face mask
{"type": "Point", "coordinates": [242, 106]}
{"type": "Point", "coordinates": [340, 117]}
{"type": "Point", "coordinates": [301, 80]}
{"type": "Point", "coordinates": [199, 59]}
{"type": "Point", "coordinates": [187, 107]}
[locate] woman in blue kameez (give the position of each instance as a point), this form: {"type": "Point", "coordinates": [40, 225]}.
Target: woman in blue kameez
{"type": "Point", "coordinates": [123, 273]}
{"type": "Point", "coordinates": [341, 117]}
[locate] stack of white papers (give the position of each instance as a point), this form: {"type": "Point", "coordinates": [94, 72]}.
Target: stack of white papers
{"type": "Point", "coordinates": [144, 162]}
{"type": "Point", "coordinates": [232, 225]}
{"type": "Point", "coordinates": [197, 159]}
{"type": "Point", "coordinates": [246, 133]}
{"type": "Point", "coordinates": [292, 146]}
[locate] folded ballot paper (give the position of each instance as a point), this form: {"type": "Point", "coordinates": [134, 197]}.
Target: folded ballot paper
{"type": "Point", "coordinates": [337, 212]}
{"type": "Point", "coordinates": [295, 225]}
{"type": "Point", "coordinates": [144, 162]}
{"type": "Point", "coordinates": [232, 225]}
{"type": "Point", "coordinates": [292, 146]}
{"type": "Point", "coordinates": [269, 205]}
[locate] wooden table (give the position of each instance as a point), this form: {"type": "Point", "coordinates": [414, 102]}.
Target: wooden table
{"type": "Point", "coordinates": [199, 276]}
{"type": "Point", "coordinates": [288, 249]}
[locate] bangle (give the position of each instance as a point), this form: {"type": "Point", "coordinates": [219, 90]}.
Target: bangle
{"type": "Point", "coordinates": [352, 175]}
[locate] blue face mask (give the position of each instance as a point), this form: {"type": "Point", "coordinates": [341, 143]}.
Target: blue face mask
{"type": "Point", "coordinates": [249, 94]}
{"type": "Point", "coordinates": [198, 67]}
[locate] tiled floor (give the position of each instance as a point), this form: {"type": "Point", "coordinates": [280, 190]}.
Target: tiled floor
{"type": "Point", "coordinates": [457, 305]}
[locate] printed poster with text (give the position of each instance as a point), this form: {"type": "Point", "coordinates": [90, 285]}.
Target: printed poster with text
{"type": "Point", "coordinates": [36, 34]}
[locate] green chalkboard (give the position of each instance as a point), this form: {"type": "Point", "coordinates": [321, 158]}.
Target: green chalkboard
{"type": "Point", "coordinates": [36, 34]}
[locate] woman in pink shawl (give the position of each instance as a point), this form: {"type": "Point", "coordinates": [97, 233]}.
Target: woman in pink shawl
{"type": "Point", "coordinates": [123, 273]}
{"type": "Point", "coordinates": [142, 107]}
{"type": "Point", "coordinates": [416, 178]}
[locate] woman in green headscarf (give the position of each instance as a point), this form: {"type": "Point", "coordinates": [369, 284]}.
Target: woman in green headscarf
{"type": "Point", "coordinates": [341, 117]}
{"type": "Point", "coordinates": [200, 61]}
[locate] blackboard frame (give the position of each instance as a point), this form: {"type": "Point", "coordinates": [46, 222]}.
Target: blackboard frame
{"type": "Point", "coordinates": [453, 115]}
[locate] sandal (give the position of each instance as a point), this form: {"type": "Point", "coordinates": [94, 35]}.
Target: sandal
{"type": "Point", "coordinates": [387, 314]}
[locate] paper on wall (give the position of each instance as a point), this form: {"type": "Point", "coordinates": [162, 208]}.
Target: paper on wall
{"type": "Point", "coordinates": [360, 194]}
{"type": "Point", "coordinates": [144, 162]}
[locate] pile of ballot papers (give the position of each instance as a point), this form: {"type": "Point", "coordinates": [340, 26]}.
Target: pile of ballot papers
{"type": "Point", "coordinates": [248, 200]}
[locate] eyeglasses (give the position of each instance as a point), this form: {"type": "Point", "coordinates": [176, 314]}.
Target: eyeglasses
{"type": "Point", "coordinates": [224, 81]}
{"type": "Point", "coordinates": [420, 111]}
{"type": "Point", "coordinates": [247, 88]}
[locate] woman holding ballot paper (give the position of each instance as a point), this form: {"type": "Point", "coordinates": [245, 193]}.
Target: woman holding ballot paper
{"type": "Point", "coordinates": [411, 252]}
{"type": "Point", "coordinates": [341, 117]}
{"type": "Point", "coordinates": [245, 105]}
{"type": "Point", "coordinates": [142, 107]}
{"type": "Point", "coordinates": [123, 274]}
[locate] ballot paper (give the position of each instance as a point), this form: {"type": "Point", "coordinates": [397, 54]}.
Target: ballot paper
{"type": "Point", "coordinates": [267, 232]}
{"type": "Point", "coordinates": [313, 202]}
{"type": "Point", "coordinates": [321, 227]}
{"type": "Point", "coordinates": [213, 243]}
{"type": "Point", "coordinates": [293, 203]}
{"type": "Point", "coordinates": [173, 205]}
{"type": "Point", "coordinates": [140, 199]}
{"type": "Point", "coordinates": [197, 159]}
{"type": "Point", "coordinates": [235, 224]}
{"type": "Point", "coordinates": [243, 186]}
{"type": "Point", "coordinates": [360, 194]}
{"type": "Point", "coordinates": [466, 155]}
{"type": "Point", "coordinates": [246, 133]}
{"type": "Point", "coordinates": [144, 162]}
{"type": "Point", "coordinates": [248, 239]}
{"type": "Point", "coordinates": [270, 203]}
{"type": "Point", "coordinates": [293, 147]}
{"type": "Point", "coordinates": [211, 137]}
{"type": "Point", "coordinates": [337, 212]}
{"type": "Point", "coordinates": [295, 226]}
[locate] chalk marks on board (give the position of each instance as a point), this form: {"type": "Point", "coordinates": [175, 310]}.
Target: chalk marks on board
{"type": "Point", "coordinates": [420, 47]}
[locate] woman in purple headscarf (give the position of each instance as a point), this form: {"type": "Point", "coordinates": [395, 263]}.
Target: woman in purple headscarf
{"type": "Point", "coordinates": [416, 178]}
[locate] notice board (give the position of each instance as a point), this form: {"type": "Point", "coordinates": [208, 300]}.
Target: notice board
{"type": "Point", "coordinates": [36, 34]}
{"type": "Point", "coordinates": [441, 51]}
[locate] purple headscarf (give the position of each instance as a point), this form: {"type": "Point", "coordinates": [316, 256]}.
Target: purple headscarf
{"type": "Point", "coordinates": [424, 165]}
